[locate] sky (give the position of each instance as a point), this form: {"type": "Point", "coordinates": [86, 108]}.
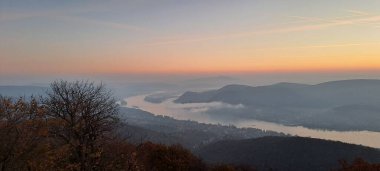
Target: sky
{"type": "Point", "coordinates": [49, 37]}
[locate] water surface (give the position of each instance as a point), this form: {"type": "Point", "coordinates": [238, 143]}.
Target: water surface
{"type": "Point", "coordinates": [197, 112]}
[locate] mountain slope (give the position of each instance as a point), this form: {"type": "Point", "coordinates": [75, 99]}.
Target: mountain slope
{"type": "Point", "coordinates": [337, 105]}
{"type": "Point", "coordinates": [327, 94]}
{"type": "Point", "coordinates": [16, 91]}
{"type": "Point", "coordinates": [190, 134]}
{"type": "Point", "coordinates": [286, 153]}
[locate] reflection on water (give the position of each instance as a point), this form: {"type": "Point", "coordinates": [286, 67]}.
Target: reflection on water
{"type": "Point", "coordinates": [196, 111]}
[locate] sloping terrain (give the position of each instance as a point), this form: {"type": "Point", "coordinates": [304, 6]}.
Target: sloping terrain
{"type": "Point", "coordinates": [337, 105]}
{"type": "Point", "coordinates": [286, 153]}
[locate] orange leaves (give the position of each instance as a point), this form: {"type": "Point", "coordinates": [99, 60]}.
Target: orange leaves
{"type": "Point", "coordinates": [21, 132]}
{"type": "Point", "coordinates": [358, 164]}
{"type": "Point", "coordinates": [162, 157]}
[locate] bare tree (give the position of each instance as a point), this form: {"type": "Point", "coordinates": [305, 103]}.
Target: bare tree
{"type": "Point", "coordinates": [81, 115]}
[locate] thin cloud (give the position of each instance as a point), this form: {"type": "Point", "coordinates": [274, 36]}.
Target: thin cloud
{"type": "Point", "coordinates": [105, 23]}
{"type": "Point", "coordinates": [299, 28]}
{"type": "Point", "coordinates": [19, 16]}
{"type": "Point", "coordinates": [319, 46]}
{"type": "Point", "coordinates": [14, 16]}
{"type": "Point", "coordinates": [334, 45]}
{"type": "Point", "coordinates": [356, 12]}
{"type": "Point", "coordinates": [67, 14]}
{"type": "Point", "coordinates": [309, 19]}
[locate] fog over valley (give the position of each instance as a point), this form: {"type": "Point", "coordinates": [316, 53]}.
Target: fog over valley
{"type": "Point", "coordinates": [200, 85]}
{"type": "Point", "coordinates": [352, 125]}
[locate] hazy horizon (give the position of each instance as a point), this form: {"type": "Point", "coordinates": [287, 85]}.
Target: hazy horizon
{"type": "Point", "coordinates": [253, 79]}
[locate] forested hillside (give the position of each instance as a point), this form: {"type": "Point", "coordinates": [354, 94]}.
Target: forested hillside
{"type": "Point", "coordinates": [335, 105]}
{"type": "Point", "coordinates": [286, 153]}
{"type": "Point", "coordinates": [77, 126]}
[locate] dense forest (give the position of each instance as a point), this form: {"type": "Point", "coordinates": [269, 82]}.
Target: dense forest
{"type": "Point", "coordinates": [76, 126]}
{"type": "Point", "coordinates": [286, 153]}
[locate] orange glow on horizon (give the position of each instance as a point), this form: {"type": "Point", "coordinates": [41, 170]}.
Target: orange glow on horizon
{"type": "Point", "coordinates": [176, 71]}
{"type": "Point", "coordinates": [239, 40]}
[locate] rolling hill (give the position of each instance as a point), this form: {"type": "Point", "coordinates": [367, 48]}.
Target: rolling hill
{"type": "Point", "coordinates": [327, 94]}
{"type": "Point", "coordinates": [24, 91]}
{"type": "Point", "coordinates": [286, 153]}
{"type": "Point", "coordinates": [339, 105]}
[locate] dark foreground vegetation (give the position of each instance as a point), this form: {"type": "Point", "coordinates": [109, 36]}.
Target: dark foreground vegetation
{"type": "Point", "coordinates": [286, 153]}
{"type": "Point", "coordinates": [75, 126]}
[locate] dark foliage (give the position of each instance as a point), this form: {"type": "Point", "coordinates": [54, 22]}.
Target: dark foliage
{"type": "Point", "coordinates": [22, 133]}
{"type": "Point", "coordinates": [358, 165]}
{"type": "Point", "coordinates": [81, 116]}
{"type": "Point", "coordinates": [74, 128]}
{"type": "Point", "coordinates": [286, 153]}
{"type": "Point", "coordinates": [171, 158]}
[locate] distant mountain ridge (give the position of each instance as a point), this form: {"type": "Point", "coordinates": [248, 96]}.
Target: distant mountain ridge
{"type": "Point", "coordinates": [339, 105]}
{"type": "Point", "coordinates": [23, 91]}
{"type": "Point", "coordinates": [286, 153]}
{"type": "Point", "coordinates": [332, 93]}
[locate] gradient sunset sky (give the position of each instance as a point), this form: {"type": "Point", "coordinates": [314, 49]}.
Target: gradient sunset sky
{"type": "Point", "coordinates": [188, 36]}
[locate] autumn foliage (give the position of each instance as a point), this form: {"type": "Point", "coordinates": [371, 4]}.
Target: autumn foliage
{"type": "Point", "coordinates": [23, 133]}
{"type": "Point", "coordinates": [74, 128]}
{"type": "Point", "coordinates": [358, 165]}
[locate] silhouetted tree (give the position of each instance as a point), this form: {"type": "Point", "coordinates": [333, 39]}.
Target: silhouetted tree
{"type": "Point", "coordinates": [81, 116]}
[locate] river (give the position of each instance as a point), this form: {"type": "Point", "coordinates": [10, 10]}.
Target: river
{"type": "Point", "coordinates": [196, 112]}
